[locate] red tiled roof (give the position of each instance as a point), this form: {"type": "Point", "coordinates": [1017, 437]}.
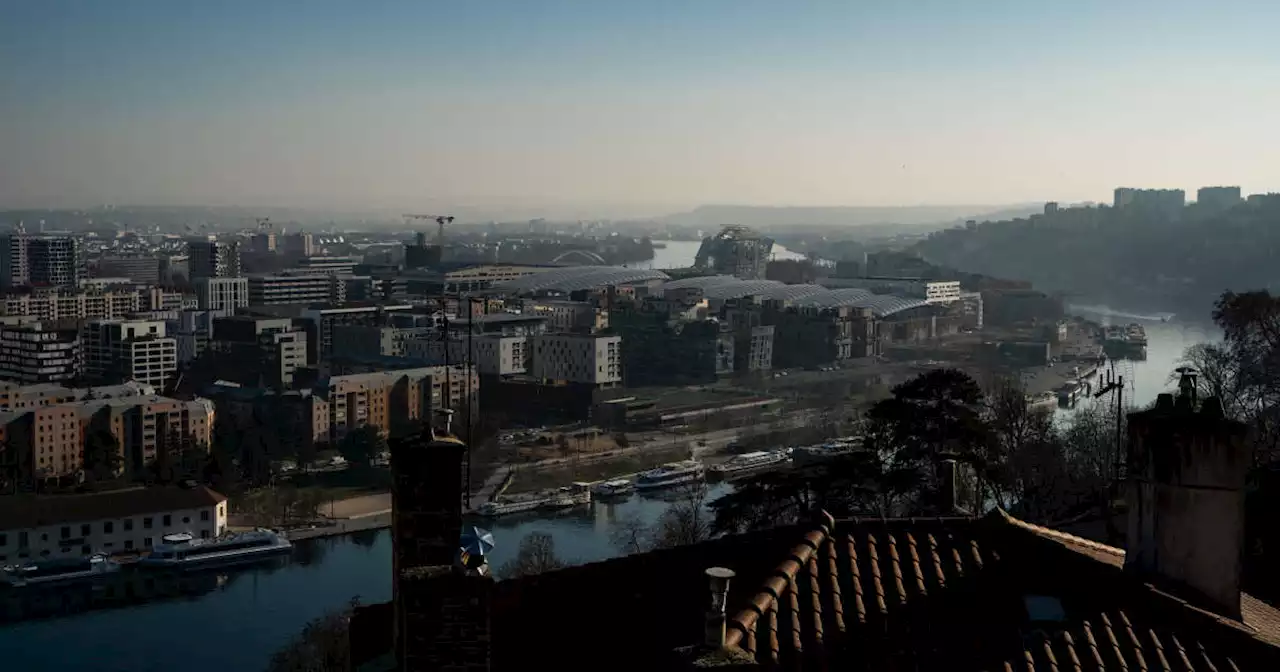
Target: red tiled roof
{"type": "Point", "coordinates": [950, 594]}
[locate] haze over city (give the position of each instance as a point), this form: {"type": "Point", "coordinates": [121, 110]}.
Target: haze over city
{"type": "Point", "coordinates": [629, 108]}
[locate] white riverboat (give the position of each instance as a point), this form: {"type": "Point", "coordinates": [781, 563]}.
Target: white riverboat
{"type": "Point", "coordinates": [569, 496]}
{"type": "Point", "coordinates": [747, 463]}
{"type": "Point", "coordinates": [668, 475]}
{"type": "Point", "coordinates": [54, 571]}
{"type": "Point", "coordinates": [181, 550]}
{"type": "Point", "coordinates": [614, 488]}
{"type": "Point", "coordinates": [506, 508]}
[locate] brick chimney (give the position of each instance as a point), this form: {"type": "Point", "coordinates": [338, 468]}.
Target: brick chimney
{"type": "Point", "coordinates": [1187, 470]}
{"type": "Point", "coordinates": [441, 601]}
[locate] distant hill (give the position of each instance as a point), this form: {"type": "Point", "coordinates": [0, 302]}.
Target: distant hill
{"type": "Point", "coordinates": [1126, 259]}
{"type": "Point", "coordinates": [763, 217]}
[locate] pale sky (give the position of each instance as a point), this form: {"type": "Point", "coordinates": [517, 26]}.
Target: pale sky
{"type": "Point", "coordinates": [662, 104]}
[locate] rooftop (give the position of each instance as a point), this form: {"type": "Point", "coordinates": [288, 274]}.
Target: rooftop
{"type": "Point", "coordinates": [27, 511]}
{"type": "Point", "coordinates": [941, 593]}
{"type": "Point", "coordinates": [574, 278]}
{"type": "Point", "coordinates": [729, 287]}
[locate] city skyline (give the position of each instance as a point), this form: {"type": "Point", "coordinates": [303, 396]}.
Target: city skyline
{"type": "Point", "coordinates": [628, 110]}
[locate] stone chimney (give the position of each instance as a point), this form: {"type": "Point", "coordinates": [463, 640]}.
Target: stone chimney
{"type": "Point", "coordinates": [441, 595]}
{"type": "Point", "coordinates": [1187, 470]}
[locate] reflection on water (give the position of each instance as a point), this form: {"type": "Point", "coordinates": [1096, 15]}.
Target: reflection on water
{"type": "Point", "coordinates": [252, 611]}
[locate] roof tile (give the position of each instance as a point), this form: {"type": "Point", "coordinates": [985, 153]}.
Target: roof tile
{"type": "Point", "coordinates": [947, 594]}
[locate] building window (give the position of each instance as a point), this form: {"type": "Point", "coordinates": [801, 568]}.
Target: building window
{"type": "Point", "coordinates": [128, 524]}
{"type": "Point", "coordinates": [204, 534]}
{"type": "Point", "coordinates": [168, 520]}
{"type": "Point", "coordinates": [128, 544]}
{"type": "Point", "coordinates": [147, 542]}
{"type": "Point", "coordinates": [146, 523]}
{"type": "Point", "coordinates": [84, 530]}
{"type": "Point", "coordinates": [108, 527]}
{"type": "Point", "coordinates": [4, 539]}
{"type": "Point", "coordinates": [66, 532]}
{"type": "Point", "coordinates": [204, 517]}
{"type": "Point", "coordinates": [186, 520]}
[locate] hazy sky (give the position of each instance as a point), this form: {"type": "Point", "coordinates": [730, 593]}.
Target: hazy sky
{"type": "Point", "coordinates": [661, 104]}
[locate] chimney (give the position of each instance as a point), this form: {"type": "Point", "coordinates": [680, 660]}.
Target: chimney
{"type": "Point", "coordinates": [1187, 471]}
{"type": "Point", "coordinates": [442, 594]}
{"type": "Point", "coordinates": [715, 634]}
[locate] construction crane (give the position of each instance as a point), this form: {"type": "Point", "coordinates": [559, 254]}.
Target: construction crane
{"type": "Point", "coordinates": [441, 220]}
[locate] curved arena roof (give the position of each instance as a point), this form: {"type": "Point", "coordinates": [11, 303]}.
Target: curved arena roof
{"type": "Point", "coordinates": [722, 287]}
{"type": "Point", "coordinates": [573, 278]}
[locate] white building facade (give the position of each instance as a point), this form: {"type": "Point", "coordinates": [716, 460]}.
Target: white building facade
{"type": "Point", "coordinates": [73, 526]}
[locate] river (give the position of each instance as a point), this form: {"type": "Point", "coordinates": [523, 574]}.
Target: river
{"type": "Point", "coordinates": [235, 622]}
{"type": "Point", "coordinates": [680, 254]}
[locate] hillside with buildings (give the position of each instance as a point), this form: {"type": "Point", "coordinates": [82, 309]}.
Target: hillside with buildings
{"type": "Point", "coordinates": [1149, 250]}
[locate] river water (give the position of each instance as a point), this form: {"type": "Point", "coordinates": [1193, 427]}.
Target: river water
{"type": "Point", "coordinates": [680, 254]}
{"type": "Point", "coordinates": [237, 620]}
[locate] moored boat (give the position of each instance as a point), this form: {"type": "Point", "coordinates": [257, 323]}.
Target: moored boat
{"type": "Point", "coordinates": [181, 550]}
{"type": "Point", "coordinates": [614, 488]}
{"type": "Point", "coordinates": [1042, 399]}
{"type": "Point", "coordinates": [750, 463]}
{"type": "Point", "coordinates": [60, 570]}
{"type": "Point", "coordinates": [667, 475]}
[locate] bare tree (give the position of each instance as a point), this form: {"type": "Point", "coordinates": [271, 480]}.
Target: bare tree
{"type": "Point", "coordinates": [322, 646]}
{"type": "Point", "coordinates": [537, 554]}
{"type": "Point", "coordinates": [685, 522]}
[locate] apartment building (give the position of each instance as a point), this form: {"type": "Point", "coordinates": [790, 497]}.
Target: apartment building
{"type": "Point", "coordinates": [19, 397]}
{"type": "Point", "coordinates": [298, 245]}
{"type": "Point", "coordinates": [55, 527]}
{"type": "Point", "coordinates": [37, 352]}
{"type": "Point", "coordinates": [323, 320]}
{"type": "Point", "coordinates": [330, 265]}
{"type": "Point", "coordinates": [222, 295]}
{"type": "Point", "coordinates": [55, 262]}
{"type": "Point", "coordinates": [491, 354]}
{"type": "Point", "coordinates": [193, 330]}
{"type": "Point", "coordinates": [14, 270]}
{"type": "Point", "coordinates": [210, 258]}
{"type": "Point", "coordinates": [356, 340]}
{"type": "Point", "coordinates": [587, 359]}
{"type": "Point", "coordinates": [295, 288]}
{"type": "Point", "coordinates": [139, 268]}
{"type": "Point", "coordinates": [390, 400]}
{"type": "Point", "coordinates": [47, 440]}
{"type": "Point", "coordinates": [48, 304]}
{"type": "Point", "coordinates": [268, 348]}
{"type": "Point", "coordinates": [116, 351]}
{"type": "Point", "coordinates": [573, 316]}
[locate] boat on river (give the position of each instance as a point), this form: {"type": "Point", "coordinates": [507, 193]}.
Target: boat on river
{"type": "Point", "coordinates": [569, 496]}
{"type": "Point", "coordinates": [615, 488]}
{"type": "Point", "coordinates": [1042, 400]}
{"type": "Point", "coordinates": [668, 475]}
{"type": "Point", "coordinates": [59, 570]}
{"type": "Point", "coordinates": [183, 551]}
{"type": "Point", "coordinates": [748, 463]}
